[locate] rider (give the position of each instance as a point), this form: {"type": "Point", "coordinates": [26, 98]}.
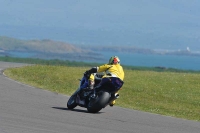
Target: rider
{"type": "Point", "coordinates": [114, 74]}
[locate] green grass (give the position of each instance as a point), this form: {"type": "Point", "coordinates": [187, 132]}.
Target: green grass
{"type": "Point", "coordinates": [167, 93]}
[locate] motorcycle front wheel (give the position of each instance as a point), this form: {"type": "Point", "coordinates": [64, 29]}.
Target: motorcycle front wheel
{"type": "Point", "coordinates": [71, 104]}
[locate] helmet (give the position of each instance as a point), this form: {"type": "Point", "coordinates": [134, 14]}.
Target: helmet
{"type": "Point", "coordinates": [114, 60]}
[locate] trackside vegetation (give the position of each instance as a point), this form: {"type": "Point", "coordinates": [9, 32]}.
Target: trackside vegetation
{"type": "Point", "coordinates": [57, 62]}
{"type": "Point", "coordinates": [171, 93]}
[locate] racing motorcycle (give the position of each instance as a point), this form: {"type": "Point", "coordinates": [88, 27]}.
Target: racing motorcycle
{"type": "Point", "coordinates": [94, 100]}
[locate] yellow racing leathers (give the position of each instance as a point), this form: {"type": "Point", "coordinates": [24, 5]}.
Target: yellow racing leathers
{"type": "Point", "coordinates": [115, 70]}
{"type": "Point", "coordinates": [112, 72]}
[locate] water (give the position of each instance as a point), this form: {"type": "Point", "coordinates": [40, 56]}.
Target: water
{"type": "Point", "coordinates": [169, 61]}
{"type": "Point", "coordinates": [21, 54]}
{"type": "Point", "coordinates": [147, 60]}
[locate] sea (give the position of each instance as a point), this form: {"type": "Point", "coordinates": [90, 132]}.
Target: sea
{"type": "Point", "coordinates": [144, 60]}
{"type": "Point", "coordinates": [152, 60]}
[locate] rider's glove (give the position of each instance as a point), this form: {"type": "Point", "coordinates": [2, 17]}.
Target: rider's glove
{"type": "Point", "coordinates": [87, 74]}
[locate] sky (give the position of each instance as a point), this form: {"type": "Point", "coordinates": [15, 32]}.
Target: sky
{"type": "Point", "coordinates": [156, 24]}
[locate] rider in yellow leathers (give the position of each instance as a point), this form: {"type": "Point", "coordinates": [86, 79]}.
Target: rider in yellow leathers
{"type": "Point", "coordinates": [114, 74]}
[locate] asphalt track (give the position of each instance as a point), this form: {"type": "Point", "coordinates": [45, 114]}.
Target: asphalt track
{"type": "Point", "coordinates": [25, 109]}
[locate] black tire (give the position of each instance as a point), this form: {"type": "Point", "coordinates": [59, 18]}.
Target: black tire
{"type": "Point", "coordinates": [96, 104]}
{"type": "Point", "coordinates": [71, 104]}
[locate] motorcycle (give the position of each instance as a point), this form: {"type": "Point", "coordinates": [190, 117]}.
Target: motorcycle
{"type": "Point", "coordinates": [94, 100]}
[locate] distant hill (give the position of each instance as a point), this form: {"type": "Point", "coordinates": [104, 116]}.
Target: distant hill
{"type": "Point", "coordinates": [44, 46]}
{"type": "Point", "coordinates": [56, 47]}
{"type": "Point", "coordinates": [44, 49]}
{"type": "Point", "coordinates": [50, 49]}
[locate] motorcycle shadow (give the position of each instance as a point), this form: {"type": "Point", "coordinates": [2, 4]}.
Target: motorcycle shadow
{"type": "Point", "coordinates": [75, 110]}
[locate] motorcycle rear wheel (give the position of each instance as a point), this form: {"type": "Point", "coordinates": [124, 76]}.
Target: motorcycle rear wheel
{"type": "Point", "coordinates": [96, 104]}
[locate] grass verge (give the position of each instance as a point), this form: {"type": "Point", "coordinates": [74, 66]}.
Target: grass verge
{"type": "Point", "coordinates": [167, 93]}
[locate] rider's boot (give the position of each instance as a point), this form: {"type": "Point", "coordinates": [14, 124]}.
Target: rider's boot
{"type": "Point", "coordinates": [112, 103]}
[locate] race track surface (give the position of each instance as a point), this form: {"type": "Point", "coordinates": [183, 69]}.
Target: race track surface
{"type": "Point", "coordinates": [25, 109]}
